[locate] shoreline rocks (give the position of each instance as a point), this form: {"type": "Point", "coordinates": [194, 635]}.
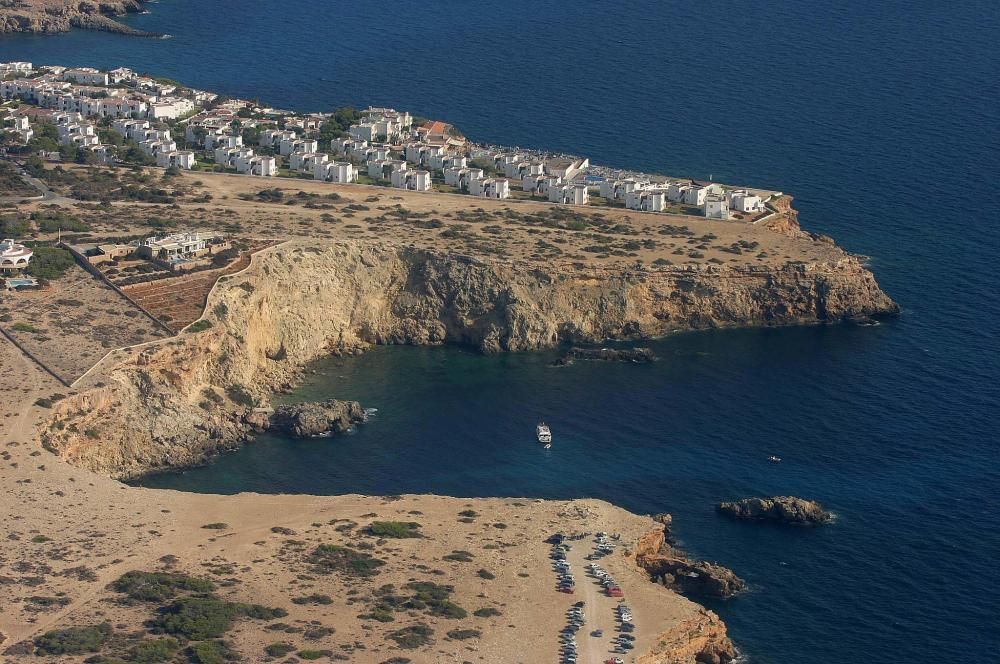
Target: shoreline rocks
{"type": "Point", "coordinates": [779, 509]}
{"type": "Point", "coordinates": [634, 355]}
{"type": "Point", "coordinates": [52, 17]}
{"type": "Point", "coordinates": [317, 418]}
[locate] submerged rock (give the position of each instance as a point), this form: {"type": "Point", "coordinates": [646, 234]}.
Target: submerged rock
{"type": "Point", "coordinates": [315, 418]}
{"type": "Point", "coordinates": [635, 355]}
{"type": "Point", "coordinates": [783, 509]}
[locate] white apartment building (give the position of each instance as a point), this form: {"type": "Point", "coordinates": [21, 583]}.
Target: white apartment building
{"type": "Point", "coordinates": [305, 162]}
{"type": "Point", "coordinates": [498, 188]}
{"type": "Point", "coordinates": [647, 200]}
{"type": "Point", "coordinates": [262, 166]}
{"type": "Point", "coordinates": [571, 194]}
{"type": "Point", "coordinates": [383, 170]}
{"type": "Point", "coordinates": [86, 76]}
{"type": "Point", "coordinates": [170, 108]}
{"type": "Point", "coordinates": [697, 193]}
{"type": "Point", "coordinates": [334, 171]}
{"type": "Point", "coordinates": [287, 146]}
{"type": "Point", "coordinates": [615, 190]}
{"type": "Point", "coordinates": [716, 207]}
{"type": "Point", "coordinates": [181, 159]}
{"type": "Point", "coordinates": [462, 178]}
{"type": "Point", "coordinates": [743, 201]}
{"type": "Point", "coordinates": [411, 180]}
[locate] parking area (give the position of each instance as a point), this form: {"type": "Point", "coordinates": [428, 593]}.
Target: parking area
{"type": "Point", "coordinates": [599, 625]}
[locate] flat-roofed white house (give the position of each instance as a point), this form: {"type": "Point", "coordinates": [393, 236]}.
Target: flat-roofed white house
{"type": "Point", "coordinates": [566, 168]}
{"type": "Point", "coordinates": [87, 76]}
{"type": "Point", "coordinates": [498, 188]}
{"type": "Point", "coordinates": [170, 108]}
{"type": "Point", "coordinates": [461, 178]}
{"type": "Point", "coordinates": [743, 201]}
{"type": "Point", "coordinates": [647, 200]}
{"type": "Point", "coordinates": [615, 190]}
{"type": "Point", "coordinates": [716, 207]}
{"type": "Point", "coordinates": [273, 137]}
{"type": "Point", "coordinates": [289, 145]}
{"type": "Point", "coordinates": [376, 153]}
{"type": "Point", "coordinates": [179, 158]}
{"type": "Point", "coordinates": [676, 191]}
{"type": "Point", "coordinates": [176, 246]}
{"type": "Point", "coordinates": [334, 171]}
{"type": "Point", "coordinates": [383, 170]}
{"type": "Point", "coordinates": [305, 162]}
{"type": "Point", "coordinates": [213, 141]}
{"type": "Point", "coordinates": [14, 256]}
{"type": "Point", "coordinates": [105, 153]}
{"type": "Point", "coordinates": [440, 162]}
{"type": "Point", "coordinates": [259, 165]}
{"type": "Point", "coordinates": [415, 180]}
{"type": "Point", "coordinates": [696, 193]}
{"type": "Point", "coordinates": [571, 194]}
{"type": "Point", "coordinates": [154, 147]}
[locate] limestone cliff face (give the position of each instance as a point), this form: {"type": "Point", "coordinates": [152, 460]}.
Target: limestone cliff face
{"type": "Point", "coordinates": [52, 16]}
{"type": "Point", "coordinates": [177, 402]}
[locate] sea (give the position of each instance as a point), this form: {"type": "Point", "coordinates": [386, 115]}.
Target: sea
{"type": "Point", "coordinates": [881, 118]}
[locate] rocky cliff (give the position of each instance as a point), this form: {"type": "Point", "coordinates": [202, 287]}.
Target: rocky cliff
{"type": "Point", "coordinates": [52, 16]}
{"type": "Point", "coordinates": [177, 402]}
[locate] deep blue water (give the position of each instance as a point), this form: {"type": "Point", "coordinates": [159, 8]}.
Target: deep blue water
{"type": "Point", "coordinates": [881, 118]}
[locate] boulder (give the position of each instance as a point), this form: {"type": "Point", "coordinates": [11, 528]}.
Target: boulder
{"type": "Point", "coordinates": [634, 355]}
{"type": "Point", "coordinates": [695, 579]}
{"type": "Point", "coordinates": [782, 509]}
{"type": "Point", "coordinates": [315, 418]}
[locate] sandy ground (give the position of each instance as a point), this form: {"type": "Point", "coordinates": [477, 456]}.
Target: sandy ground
{"type": "Point", "coordinates": [68, 533]}
{"type": "Point", "coordinates": [74, 323]}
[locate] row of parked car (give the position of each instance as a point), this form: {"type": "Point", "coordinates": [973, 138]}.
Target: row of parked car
{"type": "Point", "coordinates": [602, 547]}
{"type": "Point", "coordinates": [565, 583]}
{"type": "Point", "coordinates": [574, 621]}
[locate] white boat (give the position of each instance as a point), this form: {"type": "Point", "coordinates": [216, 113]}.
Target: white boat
{"type": "Point", "coordinates": [543, 434]}
{"type": "Point", "coordinates": [774, 459]}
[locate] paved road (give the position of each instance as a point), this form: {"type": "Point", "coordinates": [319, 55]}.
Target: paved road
{"type": "Point", "coordinates": [599, 611]}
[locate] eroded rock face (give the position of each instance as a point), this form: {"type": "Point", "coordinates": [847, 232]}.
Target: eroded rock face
{"type": "Point", "coordinates": [175, 404]}
{"type": "Point", "coordinates": [782, 509]}
{"type": "Point", "coordinates": [672, 569]}
{"type": "Point", "coordinates": [316, 418]}
{"type": "Point", "coordinates": [52, 16]}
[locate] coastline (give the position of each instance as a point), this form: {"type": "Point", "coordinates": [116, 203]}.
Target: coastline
{"type": "Point", "coordinates": [49, 17]}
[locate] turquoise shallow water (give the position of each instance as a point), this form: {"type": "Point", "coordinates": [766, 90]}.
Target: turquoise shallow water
{"type": "Point", "coordinates": [881, 118]}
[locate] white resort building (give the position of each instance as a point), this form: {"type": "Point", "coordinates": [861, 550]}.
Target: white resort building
{"type": "Point", "coordinates": [14, 256]}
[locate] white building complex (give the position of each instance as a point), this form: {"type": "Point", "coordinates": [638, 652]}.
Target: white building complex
{"type": "Point", "coordinates": [14, 256]}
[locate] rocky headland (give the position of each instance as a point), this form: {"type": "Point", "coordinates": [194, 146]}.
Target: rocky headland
{"type": "Point", "coordinates": [54, 16]}
{"type": "Point", "coordinates": [780, 509]}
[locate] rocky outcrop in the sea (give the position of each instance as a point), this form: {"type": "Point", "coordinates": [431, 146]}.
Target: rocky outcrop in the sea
{"type": "Point", "coordinates": [633, 355]}
{"type": "Point", "coordinates": [53, 16]}
{"type": "Point", "coordinates": [672, 569]}
{"type": "Point", "coordinates": [316, 418]}
{"type": "Point", "coordinates": [782, 509]}
{"type": "Point", "coordinates": [300, 301]}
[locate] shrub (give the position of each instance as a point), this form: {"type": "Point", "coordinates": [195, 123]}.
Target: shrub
{"type": "Point", "coordinates": [486, 574]}
{"type": "Point", "coordinates": [486, 612]}
{"type": "Point", "coordinates": [279, 649]}
{"type": "Point", "coordinates": [73, 640]}
{"type": "Point", "coordinates": [315, 598]}
{"type": "Point", "coordinates": [462, 634]}
{"type": "Point", "coordinates": [154, 650]}
{"type": "Point", "coordinates": [199, 326]}
{"type": "Point", "coordinates": [49, 263]}
{"type": "Point", "coordinates": [434, 598]}
{"type": "Point", "coordinates": [393, 529]}
{"type": "Point", "coordinates": [469, 513]}
{"type": "Point", "coordinates": [159, 586]}
{"type": "Point", "coordinates": [199, 618]}
{"type": "Point", "coordinates": [24, 327]}
{"type": "Point", "coordinates": [328, 558]}
{"type": "Point", "coordinates": [458, 556]}
{"type": "Point", "coordinates": [240, 395]}
{"type": "Point", "coordinates": [218, 525]}
{"type": "Point", "coordinates": [211, 652]}
{"type": "Point", "coordinates": [413, 636]}
{"type": "Point", "coordinates": [311, 654]}
{"type": "Point", "coordinates": [40, 539]}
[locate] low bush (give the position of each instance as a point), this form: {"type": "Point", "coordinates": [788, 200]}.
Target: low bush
{"type": "Point", "coordinates": [154, 650]}
{"type": "Point", "coordinates": [315, 598]}
{"type": "Point", "coordinates": [73, 640]}
{"type": "Point", "coordinates": [414, 636]}
{"type": "Point", "coordinates": [463, 634]}
{"type": "Point", "coordinates": [211, 652]}
{"type": "Point", "coordinates": [329, 558]}
{"type": "Point", "coordinates": [279, 649]}
{"type": "Point", "coordinates": [159, 586]}
{"type": "Point", "coordinates": [393, 529]}
{"type": "Point", "coordinates": [486, 574]}
{"type": "Point", "coordinates": [199, 618]}
{"type": "Point", "coordinates": [486, 612]}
